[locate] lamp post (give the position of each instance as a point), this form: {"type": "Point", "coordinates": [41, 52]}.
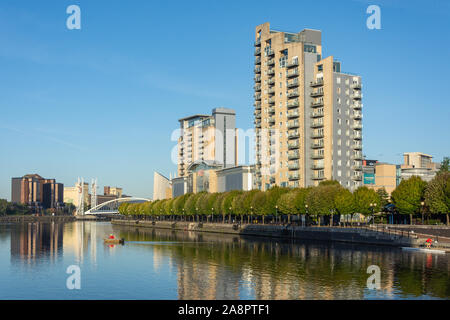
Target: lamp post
{"type": "Point", "coordinates": [251, 213]}
{"type": "Point", "coordinates": [196, 210]}
{"type": "Point", "coordinates": [184, 216]}
{"type": "Point", "coordinates": [230, 214]}
{"type": "Point", "coordinates": [423, 204]}
{"type": "Point", "coordinates": [305, 222]}
{"type": "Point", "coordinates": [276, 214]}
{"type": "Point", "coordinates": [212, 214]}
{"type": "Point", "coordinates": [372, 206]}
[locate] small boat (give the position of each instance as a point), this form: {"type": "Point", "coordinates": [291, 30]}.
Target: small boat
{"type": "Point", "coordinates": [114, 241]}
{"type": "Point", "coordinates": [424, 250]}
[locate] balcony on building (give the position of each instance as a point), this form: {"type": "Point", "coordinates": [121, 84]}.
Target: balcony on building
{"type": "Point", "coordinates": [317, 144]}
{"type": "Point", "coordinates": [317, 93]}
{"type": "Point", "coordinates": [271, 119]}
{"type": "Point", "coordinates": [258, 79]}
{"type": "Point", "coordinates": [356, 86]}
{"type": "Point", "coordinates": [293, 73]}
{"type": "Point", "coordinates": [293, 155]}
{"type": "Point", "coordinates": [271, 110]}
{"type": "Point", "coordinates": [293, 114]}
{"type": "Point", "coordinates": [357, 126]}
{"type": "Point", "coordinates": [270, 52]}
{"type": "Point", "coordinates": [271, 100]}
{"type": "Point", "coordinates": [317, 155]}
{"type": "Point", "coordinates": [293, 63]}
{"type": "Point", "coordinates": [294, 165]}
{"type": "Point", "coordinates": [356, 95]}
{"type": "Point", "coordinates": [293, 145]}
{"type": "Point", "coordinates": [357, 156]}
{"type": "Point", "coordinates": [257, 51]}
{"type": "Point", "coordinates": [357, 177]}
{"type": "Point", "coordinates": [294, 176]}
{"type": "Point", "coordinates": [257, 105]}
{"type": "Point", "coordinates": [292, 124]}
{"type": "Point", "coordinates": [258, 115]}
{"type": "Point", "coordinates": [293, 94]}
{"type": "Point", "coordinates": [357, 105]}
{"type": "Point", "coordinates": [356, 136]}
{"type": "Point", "coordinates": [317, 166]}
{"type": "Point", "coordinates": [317, 103]}
{"type": "Point", "coordinates": [316, 124]}
{"type": "Point", "coordinates": [271, 71]}
{"type": "Point", "coordinates": [257, 69]}
{"type": "Point", "coordinates": [357, 167]}
{"type": "Point", "coordinates": [357, 146]}
{"type": "Point", "coordinates": [293, 103]}
{"type": "Point", "coordinates": [257, 87]}
{"type": "Point", "coordinates": [257, 96]}
{"type": "Point", "coordinates": [271, 62]}
{"type": "Point", "coordinates": [317, 175]}
{"type": "Point", "coordinates": [271, 91]}
{"type": "Point", "coordinates": [317, 83]}
{"type": "Point", "coordinates": [293, 84]}
{"type": "Point", "coordinates": [317, 114]}
{"type": "Point", "coordinates": [258, 42]}
{"type": "Point", "coordinates": [271, 82]}
{"type": "Point", "coordinates": [357, 115]}
{"type": "Point", "coordinates": [293, 134]}
{"type": "Point", "coordinates": [317, 134]}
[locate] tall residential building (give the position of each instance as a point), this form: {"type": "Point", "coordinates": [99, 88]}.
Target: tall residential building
{"type": "Point", "coordinates": [37, 192]}
{"type": "Point", "coordinates": [208, 138]}
{"type": "Point", "coordinates": [307, 113]}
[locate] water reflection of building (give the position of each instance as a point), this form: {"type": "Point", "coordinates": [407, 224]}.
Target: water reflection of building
{"type": "Point", "coordinates": [31, 242]}
{"type": "Point", "coordinates": [80, 238]}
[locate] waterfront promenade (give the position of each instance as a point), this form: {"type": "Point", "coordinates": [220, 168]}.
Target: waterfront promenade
{"type": "Point", "coordinates": [366, 235]}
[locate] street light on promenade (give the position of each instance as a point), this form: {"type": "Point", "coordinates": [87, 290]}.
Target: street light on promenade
{"type": "Point", "coordinates": [422, 209]}
{"type": "Point", "coordinates": [306, 218]}
{"type": "Point", "coordinates": [251, 213]}
{"type": "Point", "coordinates": [276, 214]}
{"type": "Point", "coordinates": [372, 206]}
{"type": "Point", "coordinates": [230, 214]}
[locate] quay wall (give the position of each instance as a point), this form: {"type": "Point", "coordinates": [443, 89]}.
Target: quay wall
{"type": "Point", "coordinates": [350, 235]}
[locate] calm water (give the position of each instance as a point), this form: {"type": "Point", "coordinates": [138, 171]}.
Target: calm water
{"type": "Point", "coordinates": [160, 264]}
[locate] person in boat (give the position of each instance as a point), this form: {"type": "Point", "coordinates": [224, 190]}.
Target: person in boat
{"type": "Point", "coordinates": [111, 236]}
{"type": "Point", "coordinates": [429, 241]}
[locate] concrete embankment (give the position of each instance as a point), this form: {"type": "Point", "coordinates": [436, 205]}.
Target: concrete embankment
{"type": "Point", "coordinates": [351, 235]}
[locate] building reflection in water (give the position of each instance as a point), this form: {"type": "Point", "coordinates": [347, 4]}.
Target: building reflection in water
{"type": "Point", "coordinates": [34, 242]}
{"type": "Point", "coordinates": [211, 266]}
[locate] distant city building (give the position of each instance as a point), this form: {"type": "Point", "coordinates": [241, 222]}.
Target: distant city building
{"type": "Point", "coordinates": [37, 192]}
{"type": "Point", "coordinates": [209, 138]}
{"type": "Point", "coordinates": [386, 176]}
{"type": "Point", "coordinates": [71, 194]}
{"type": "Point", "coordinates": [208, 176]}
{"type": "Point", "coordinates": [112, 191]}
{"type": "Point", "coordinates": [162, 188]}
{"type": "Point", "coordinates": [418, 164]}
{"type": "Point", "coordinates": [308, 113]}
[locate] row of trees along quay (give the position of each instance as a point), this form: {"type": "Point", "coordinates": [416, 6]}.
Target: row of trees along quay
{"type": "Point", "coordinates": [414, 200]}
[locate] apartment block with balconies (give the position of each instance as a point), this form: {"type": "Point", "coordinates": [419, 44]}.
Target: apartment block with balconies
{"type": "Point", "coordinates": [281, 72]}
{"type": "Point", "coordinates": [308, 108]}
{"type": "Point", "coordinates": [210, 138]}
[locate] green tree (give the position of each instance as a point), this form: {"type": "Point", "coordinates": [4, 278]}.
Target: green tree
{"type": "Point", "coordinates": [320, 200]}
{"type": "Point", "coordinates": [363, 198]}
{"type": "Point", "coordinates": [384, 196]}
{"type": "Point", "coordinates": [437, 195]}
{"type": "Point", "coordinates": [273, 194]}
{"type": "Point", "coordinates": [344, 202]}
{"type": "Point", "coordinates": [259, 204]}
{"type": "Point", "coordinates": [445, 164]}
{"type": "Point", "coordinates": [408, 196]}
{"type": "Point", "coordinates": [286, 204]}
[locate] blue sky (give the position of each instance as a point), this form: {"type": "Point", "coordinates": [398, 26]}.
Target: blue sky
{"type": "Point", "coordinates": [103, 101]}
